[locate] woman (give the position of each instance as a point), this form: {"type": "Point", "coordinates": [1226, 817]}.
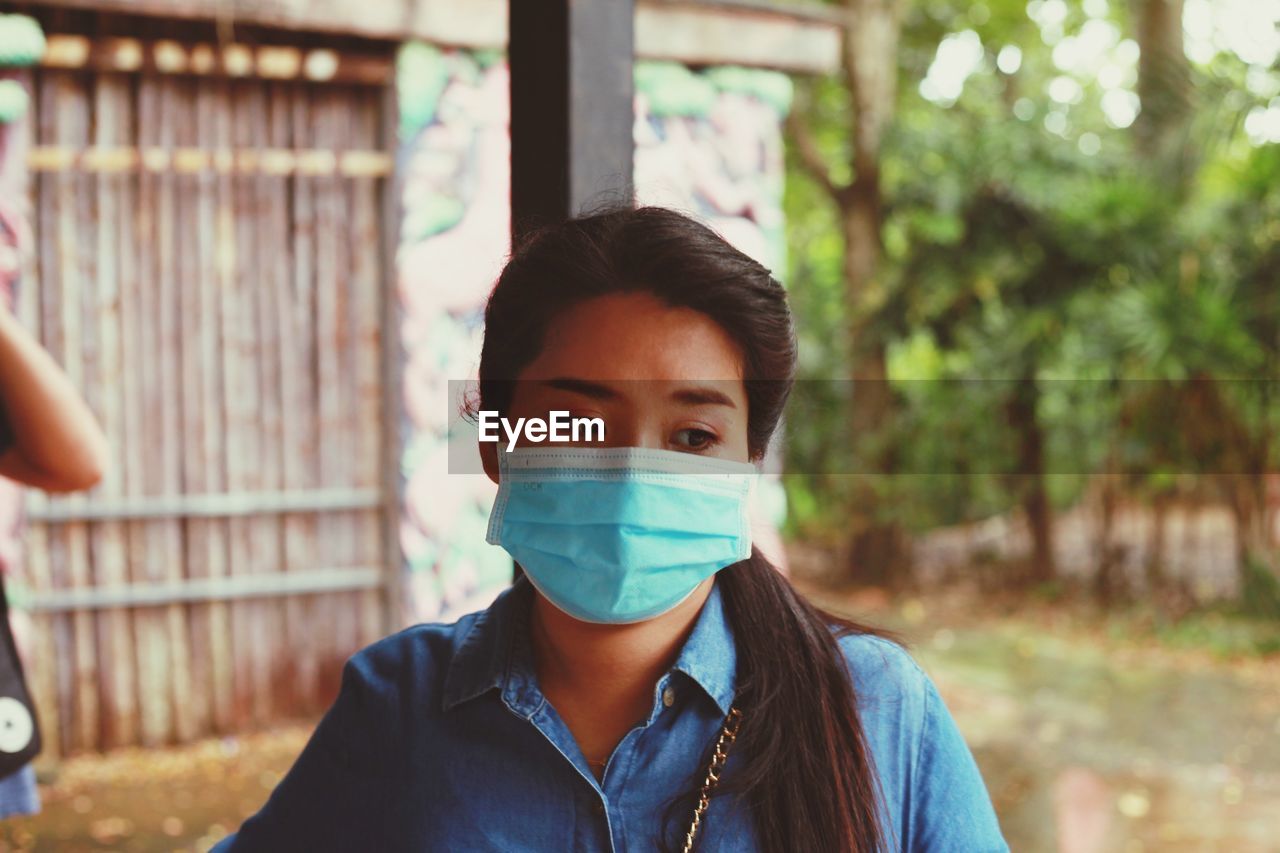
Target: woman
{"type": "Point", "coordinates": [50, 440]}
{"type": "Point", "coordinates": [591, 707]}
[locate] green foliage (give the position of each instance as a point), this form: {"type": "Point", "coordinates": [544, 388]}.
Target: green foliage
{"type": "Point", "coordinates": [1026, 238]}
{"type": "Point", "coordinates": [1261, 594]}
{"type": "Point", "coordinates": [1226, 635]}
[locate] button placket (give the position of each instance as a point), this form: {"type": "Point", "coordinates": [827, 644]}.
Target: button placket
{"type": "Point", "coordinates": [663, 698]}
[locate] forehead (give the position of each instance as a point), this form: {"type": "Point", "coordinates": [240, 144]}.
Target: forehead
{"type": "Point", "coordinates": [636, 337]}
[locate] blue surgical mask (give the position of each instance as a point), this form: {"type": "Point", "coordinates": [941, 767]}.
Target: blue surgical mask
{"type": "Point", "coordinates": [619, 535]}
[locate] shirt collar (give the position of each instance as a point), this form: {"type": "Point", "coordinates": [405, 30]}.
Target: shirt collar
{"type": "Point", "coordinates": [495, 642]}
{"type": "Point", "coordinates": [709, 656]}
{"type": "Point", "coordinates": [483, 656]}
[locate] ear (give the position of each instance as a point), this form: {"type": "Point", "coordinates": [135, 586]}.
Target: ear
{"type": "Point", "coordinates": [489, 458]}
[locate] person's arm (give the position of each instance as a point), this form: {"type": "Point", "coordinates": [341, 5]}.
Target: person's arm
{"type": "Point", "coordinates": [54, 442]}
{"type": "Point", "coordinates": [339, 793]}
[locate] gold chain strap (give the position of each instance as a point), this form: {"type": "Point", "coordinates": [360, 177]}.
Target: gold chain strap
{"type": "Point", "coordinates": [718, 758]}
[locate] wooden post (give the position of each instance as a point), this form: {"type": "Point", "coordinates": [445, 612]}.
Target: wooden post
{"type": "Point", "coordinates": [572, 108]}
{"type": "Point", "coordinates": [393, 360]}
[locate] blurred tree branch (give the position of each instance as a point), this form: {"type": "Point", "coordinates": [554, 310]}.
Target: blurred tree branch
{"type": "Point", "coordinates": [811, 157]}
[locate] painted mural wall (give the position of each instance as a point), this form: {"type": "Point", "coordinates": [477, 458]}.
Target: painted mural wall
{"type": "Point", "coordinates": [708, 143]}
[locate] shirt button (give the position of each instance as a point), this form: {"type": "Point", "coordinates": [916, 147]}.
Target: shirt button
{"type": "Point", "coordinates": [669, 697]}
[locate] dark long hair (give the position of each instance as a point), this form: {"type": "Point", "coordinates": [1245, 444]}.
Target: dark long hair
{"type": "Point", "coordinates": [803, 767]}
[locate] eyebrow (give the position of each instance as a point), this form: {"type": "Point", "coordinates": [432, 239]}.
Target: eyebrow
{"type": "Point", "coordinates": [703, 396]}
{"type": "Point", "coordinates": [694, 396]}
{"type": "Point", "coordinates": [581, 386]}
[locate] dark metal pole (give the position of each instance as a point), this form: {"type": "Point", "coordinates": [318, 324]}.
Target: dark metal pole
{"type": "Point", "coordinates": [571, 107]}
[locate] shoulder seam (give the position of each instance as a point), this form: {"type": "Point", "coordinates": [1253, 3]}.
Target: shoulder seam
{"type": "Point", "coordinates": [889, 645]}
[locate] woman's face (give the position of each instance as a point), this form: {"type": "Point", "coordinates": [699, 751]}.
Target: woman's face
{"type": "Point", "coordinates": [659, 377]}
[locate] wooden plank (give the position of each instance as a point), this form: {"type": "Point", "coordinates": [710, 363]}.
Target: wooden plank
{"type": "Point", "coordinates": [133, 447]}
{"type": "Point", "coordinates": [213, 449]}
{"type": "Point", "coordinates": [340, 111]}
{"type": "Point", "coordinates": [261, 351]}
{"type": "Point", "coordinates": [76, 341]}
{"type": "Point", "coordinates": [300, 392]}
{"type": "Point", "coordinates": [333, 533]}
{"type": "Point", "coordinates": [367, 284]}
{"type": "Point", "coordinates": [110, 554]}
{"type": "Point", "coordinates": [293, 631]}
{"type": "Point", "coordinates": [239, 398]}
{"type": "Point", "coordinates": [393, 359]}
{"type": "Point", "coordinates": [338, 129]}
{"type": "Point", "coordinates": [77, 239]}
{"type": "Point", "coordinates": [705, 34]}
{"type": "Point", "coordinates": [156, 57]}
{"type": "Point", "coordinates": [153, 306]}
{"type": "Point", "coordinates": [246, 114]}
{"type": "Point", "coordinates": [206, 505]}
{"type": "Point", "coordinates": [174, 112]}
{"type": "Point", "coordinates": [64, 650]}
{"type": "Point", "coordinates": [198, 419]}
{"type": "Point", "coordinates": [271, 131]}
{"type": "Point", "coordinates": [312, 581]}
{"type": "Point", "coordinates": [195, 159]}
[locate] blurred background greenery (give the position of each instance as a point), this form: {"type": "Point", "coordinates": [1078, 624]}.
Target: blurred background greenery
{"type": "Point", "coordinates": [1043, 241]}
{"type": "Point", "coordinates": [1049, 253]}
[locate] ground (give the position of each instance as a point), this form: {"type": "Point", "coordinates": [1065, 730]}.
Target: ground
{"type": "Point", "coordinates": [1093, 735]}
{"type": "Point", "coordinates": [181, 798]}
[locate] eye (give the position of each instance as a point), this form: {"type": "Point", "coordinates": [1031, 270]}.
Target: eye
{"type": "Point", "coordinates": [695, 439]}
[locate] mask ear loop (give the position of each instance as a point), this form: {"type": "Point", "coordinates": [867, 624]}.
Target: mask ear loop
{"type": "Point", "coordinates": [746, 513]}
{"type": "Point", "coordinates": [493, 534]}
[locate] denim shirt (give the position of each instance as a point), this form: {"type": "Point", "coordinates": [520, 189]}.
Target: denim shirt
{"type": "Point", "coordinates": [440, 739]}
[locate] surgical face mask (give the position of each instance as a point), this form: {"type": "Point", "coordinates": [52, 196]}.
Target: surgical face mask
{"type": "Point", "coordinates": [619, 535]}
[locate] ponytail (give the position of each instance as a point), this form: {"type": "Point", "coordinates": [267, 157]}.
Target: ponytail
{"type": "Point", "coordinates": [804, 771]}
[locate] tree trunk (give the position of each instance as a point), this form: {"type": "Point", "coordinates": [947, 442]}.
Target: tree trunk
{"type": "Point", "coordinates": [1106, 584]}
{"type": "Point", "coordinates": [870, 67]}
{"type": "Point", "coordinates": [1164, 80]}
{"type": "Point", "coordinates": [1236, 456]}
{"type": "Point", "coordinates": [1024, 418]}
{"type": "Point", "coordinates": [1249, 508]}
{"type": "Point", "coordinates": [1157, 575]}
